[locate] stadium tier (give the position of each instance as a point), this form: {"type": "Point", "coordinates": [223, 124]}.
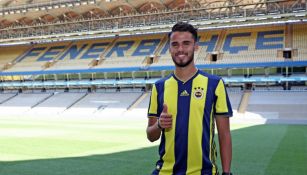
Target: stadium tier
{"type": "Point", "coordinates": [269, 103]}
{"type": "Point", "coordinates": [70, 103]}
{"type": "Point", "coordinates": [273, 104]}
{"type": "Point", "coordinates": [9, 54]}
{"type": "Point", "coordinates": [241, 46]}
{"type": "Point", "coordinates": [130, 51]}
{"type": "Point", "coordinates": [253, 45]}
{"type": "Point", "coordinates": [18, 104]}
{"type": "Point", "coordinates": [299, 41]}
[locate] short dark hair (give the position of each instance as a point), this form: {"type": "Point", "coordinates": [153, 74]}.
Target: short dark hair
{"type": "Point", "coordinates": [184, 27]}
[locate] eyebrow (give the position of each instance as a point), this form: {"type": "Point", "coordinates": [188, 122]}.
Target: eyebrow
{"type": "Point", "coordinates": [184, 42]}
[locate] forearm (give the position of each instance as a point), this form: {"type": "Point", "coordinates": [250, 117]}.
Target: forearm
{"type": "Point", "coordinates": [153, 132]}
{"type": "Point", "coordinates": [225, 150]}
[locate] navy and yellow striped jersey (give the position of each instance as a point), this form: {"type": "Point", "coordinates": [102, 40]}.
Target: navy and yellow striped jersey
{"type": "Point", "coordinates": [189, 147]}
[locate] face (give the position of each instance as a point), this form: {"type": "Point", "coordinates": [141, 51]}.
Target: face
{"type": "Point", "coordinates": [182, 47]}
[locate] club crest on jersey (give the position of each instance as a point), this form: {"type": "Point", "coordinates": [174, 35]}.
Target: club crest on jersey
{"type": "Point", "coordinates": [198, 92]}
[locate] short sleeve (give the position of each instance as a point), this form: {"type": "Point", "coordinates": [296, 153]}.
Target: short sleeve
{"type": "Point", "coordinates": [153, 103]}
{"type": "Point", "coordinates": [222, 106]}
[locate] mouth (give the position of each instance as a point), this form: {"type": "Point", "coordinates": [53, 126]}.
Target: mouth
{"type": "Point", "coordinates": [181, 55]}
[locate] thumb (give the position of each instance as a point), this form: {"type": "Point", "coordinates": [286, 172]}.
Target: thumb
{"type": "Point", "coordinates": [164, 108]}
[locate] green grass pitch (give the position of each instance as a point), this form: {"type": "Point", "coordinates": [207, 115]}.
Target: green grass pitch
{"type": "Point", "coordinates": [88, 146]}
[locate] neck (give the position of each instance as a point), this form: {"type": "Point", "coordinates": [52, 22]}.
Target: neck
{"type": "Point", "coordinates": [185, 73]}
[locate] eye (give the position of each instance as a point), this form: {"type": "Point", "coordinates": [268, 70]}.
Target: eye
{"type": "Point", "coordinates": [186, 43]}
{"type": "Point", "coordinates": [174, 44]}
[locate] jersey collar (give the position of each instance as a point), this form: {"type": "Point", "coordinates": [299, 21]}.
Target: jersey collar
{"type": "Point", "coordinates": [183, 82]}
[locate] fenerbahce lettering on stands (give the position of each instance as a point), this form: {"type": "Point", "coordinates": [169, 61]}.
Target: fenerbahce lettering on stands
{"type": "Point", "coordinates": [264, 40]}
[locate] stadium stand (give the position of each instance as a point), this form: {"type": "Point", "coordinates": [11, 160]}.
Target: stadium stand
{"type": "Point", "coordinates": [235, 98]}
{"type": "Point", "coordinates": [299, 40]}
{"type": "Point", "coordinates": [21, 103]}
{"type": "Point", "coordinates": [248, 45]}
{"type": "Point", "coordinates": [232, 46]}
{"type": "Point", "coordinates": [244, 102]}
{"type": "Point", "coordinates": [57, 103]}
{"type": "Point", "coordinates": [209, 43]}
{"type": "Point", "coordinates": [130, 51]}
{"type": "Point", "coordinates": [97, 103]}
{"type": "Point", "coordinates": [81, 55]}
{"type": "Point", "coordinates": [106, 58]}
{"type": "Point", "coordinates": [36, 57]}
{"type": "Point", "coordinates": [279, 104]}
{"type": "Point", "coordinates": [9, 55]}
{"type": "Point", "coordinates": [6, 97]}
{"type": "Point", "coordinates": [144, 102]}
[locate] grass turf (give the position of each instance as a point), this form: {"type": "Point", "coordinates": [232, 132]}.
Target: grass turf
{"type": "Point", "coordinates": [60, 146]}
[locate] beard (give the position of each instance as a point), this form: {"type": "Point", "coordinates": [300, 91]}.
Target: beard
{"type": "Point", "coordinates": [181, 63]}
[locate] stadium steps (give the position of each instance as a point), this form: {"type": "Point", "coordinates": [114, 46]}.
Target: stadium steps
{"type": "Point", "coordinates": [16, 60]}
{"type": "Point", "coordinates": [203, 54]}
{"type": "Point", "coordinates": [137, 101]}
{"type": "Point", "coordinates": [22, 56]}
{"type": "Point", "coordinates": [149, 60]}
{"type": "Point", "coordinates": [9, 98]}
{"type": "Point", "coordinates": [220, 41]}
{"type": "Point", "coordinates": [289, 36]}
{"type": "Point", "coordinates": [244, 102]}
{"type": "Point", "coordinates": [102, 54]}
{"type": "Point", "coordinates": [79, 99]}
{"type": "Point", "coordinates": [161, 45]}
{"type": "Point", "coordinates": [41, 101]}
{"type": "Point", "coordinates": [52, 63]}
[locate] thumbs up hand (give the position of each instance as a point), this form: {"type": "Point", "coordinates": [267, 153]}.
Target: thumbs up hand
{"type": "Point", "coordinates": [165, 120]}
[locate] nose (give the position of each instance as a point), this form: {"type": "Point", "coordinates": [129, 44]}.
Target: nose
{"type": "Point", "coordinates": [180, 47]}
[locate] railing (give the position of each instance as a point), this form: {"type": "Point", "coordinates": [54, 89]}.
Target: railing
{"type": "Point", "coordinates": [138, 81]}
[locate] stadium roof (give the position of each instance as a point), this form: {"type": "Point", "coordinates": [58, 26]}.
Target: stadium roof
{"type": "Point", "coordinates": [29, 12]}
{"type": "Point", "coordinates": [27, 21]}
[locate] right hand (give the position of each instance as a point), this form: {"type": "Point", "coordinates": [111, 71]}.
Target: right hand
{"type": "Point", "coordinates": [165, 118]}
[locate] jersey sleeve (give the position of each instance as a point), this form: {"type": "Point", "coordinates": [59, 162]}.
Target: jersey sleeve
{"type": "Point", "coordinates": [222, 106]}
{"type": "Point", "coordinates": [153, 103]}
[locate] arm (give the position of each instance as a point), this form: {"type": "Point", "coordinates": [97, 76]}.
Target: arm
{"type": "Point", "coordinates": [155, 125]}
{"type": "Point", "coordinates": [224, 135]}
{"type": "Point", "coordinates": [153, 131]}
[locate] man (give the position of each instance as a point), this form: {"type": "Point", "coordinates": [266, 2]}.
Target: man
{"type": "Point", "coordinates": [183, 110]}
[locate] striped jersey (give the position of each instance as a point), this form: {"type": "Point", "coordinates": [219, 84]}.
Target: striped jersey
{"type": "Point", "coordinates": [189, 147]}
